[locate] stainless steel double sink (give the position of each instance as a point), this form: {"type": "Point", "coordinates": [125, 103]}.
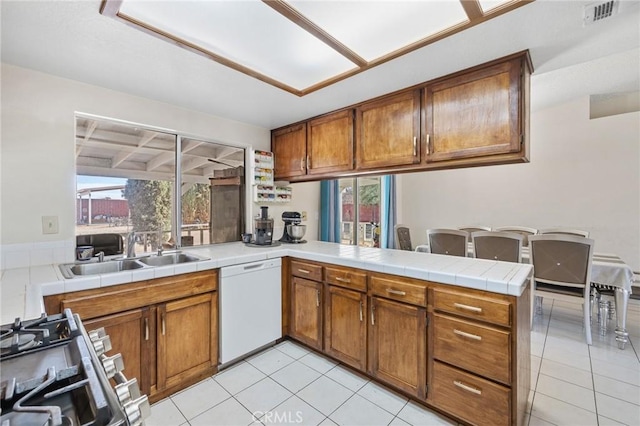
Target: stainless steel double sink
{"type": "Point", "coordinates": [73, 270]}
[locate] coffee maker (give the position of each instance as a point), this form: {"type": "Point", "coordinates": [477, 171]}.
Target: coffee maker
{"type": "Point", "coordinates": [263, 228]}
{"type": "Point", "coordinates": [291, 218]}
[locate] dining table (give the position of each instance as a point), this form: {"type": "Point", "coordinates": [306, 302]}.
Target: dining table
{"type": "Point", "coordinates": [608, 271]}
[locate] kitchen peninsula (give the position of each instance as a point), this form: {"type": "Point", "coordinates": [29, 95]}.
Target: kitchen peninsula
{"type": "Point", "coordinates": [467, 319]}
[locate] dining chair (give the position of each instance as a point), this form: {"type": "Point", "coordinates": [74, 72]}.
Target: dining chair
{"type": "Point", "coordinates": [564, 231]}
{"type": "Point", "coordinates": [471, 229]}
{"type": "Point", "coordinates": [447, 241]}
{"type": "Point", "coordinates": [503, 246]}
{"type": "Point", "coordinates": [562, 270]}
{"type": "Point", "coordinates": [522, 230]}
{"type": "Point", "coordinates": [403, 237]}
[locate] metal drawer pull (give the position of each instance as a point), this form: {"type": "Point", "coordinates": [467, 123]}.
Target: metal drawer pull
{"type": "Point", "coordinates": [344, 280]}
{"type": "Point", "coordinates": [146, 329]}
{"type": "Point", "coordinates": [361, 315]}
{"type": "Point", "coordinates": [467, 387]}
{"type": "Point", "coordinates": [467, 307]}
{"type": "Point", "coordinates": [396, 292]}
{"type": "Point", "coordinates": [469, 335]}
{"type": "Point", "coordinates": [304, 271]}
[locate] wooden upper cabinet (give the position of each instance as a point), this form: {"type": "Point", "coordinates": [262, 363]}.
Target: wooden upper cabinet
{"type": "Point", "coordinates": [330, 143]}
{"type": "Point", "coordinates": [388, 131]}
{"type": "Point", "coordinates": [289, 146]}
{"type": "Point", "coordinates": [475, 113]}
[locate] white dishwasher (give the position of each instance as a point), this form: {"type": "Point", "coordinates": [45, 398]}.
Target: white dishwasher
{"type": "Point", "coordinates": [250, 307]}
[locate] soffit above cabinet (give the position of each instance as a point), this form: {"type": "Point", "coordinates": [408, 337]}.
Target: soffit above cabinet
{"type": "Point", "coordinates": [303, 46]}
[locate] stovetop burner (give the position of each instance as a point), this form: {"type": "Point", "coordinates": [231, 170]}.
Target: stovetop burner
{"type": "Point", "coordinates": [36, 334]}
{"type": "Point", "coordinates": [51, 374]}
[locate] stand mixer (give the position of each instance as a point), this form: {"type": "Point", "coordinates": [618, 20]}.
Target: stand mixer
{"type": "Point", "coordinates": [293, 230]}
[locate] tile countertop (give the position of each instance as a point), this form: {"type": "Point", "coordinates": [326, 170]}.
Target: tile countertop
{"type": "Point", "coordinates": [22, 289]}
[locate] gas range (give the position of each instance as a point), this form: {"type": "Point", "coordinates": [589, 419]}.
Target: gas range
{"type": "Point", "coordinates": [55, 373]}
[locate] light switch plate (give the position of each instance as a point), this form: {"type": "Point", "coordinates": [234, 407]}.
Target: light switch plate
{"type": "Point", "coordinates": [49, 224]}
{"type": "Point", "coordinates": [304, 215]}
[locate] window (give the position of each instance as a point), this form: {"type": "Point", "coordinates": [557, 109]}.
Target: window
{"type": "Point", "coordinates": [360, 211]}
{"type": "Point", "coordinates": [126, 181]}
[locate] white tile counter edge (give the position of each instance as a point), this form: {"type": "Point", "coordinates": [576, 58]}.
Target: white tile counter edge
{"type": "Point", "coordinates": [22, 289]}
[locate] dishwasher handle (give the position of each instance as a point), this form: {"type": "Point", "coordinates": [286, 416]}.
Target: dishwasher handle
{"type": "Point", "coordinates": [245, 268]}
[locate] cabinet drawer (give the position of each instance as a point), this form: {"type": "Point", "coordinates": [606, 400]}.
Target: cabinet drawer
{"type": "Point", "coordinates": [348, 278]}
{"type": "Point", "coordinates": [482, 308]}
{"type": "Point", "coordinates": [306, 270]}
{"type": "Point", "coordinates": [401, 289]}
{"type": "Point", "coordinates": [478, 348]}
{"type": "Point", "coordinates": [471, 398]}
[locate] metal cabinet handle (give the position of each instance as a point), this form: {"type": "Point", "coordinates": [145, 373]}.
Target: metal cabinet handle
{"type": "Point", "coordinates": [302, 163]}
{"type": "Point", "coordinates": [308, 163]}
{"type": "Point", "coordinates": [467, 387]}
{"type": "Point", "coordinates": [467, 307]}
{"type": "Point", "coordinates": [317, 297]}
{"type": "Point", "coordinates": [415, 146]}
{"type": "Point", "coordinates": [344, 280]}
{"type": "Point", "coordinates": [304, 271]}
{"type": "Point", "coordinates": [373, 319]}
{"type": "Point", "coordinates": [428, 140]}
{"type": "Point", "coordinates": [361, 314]}
{"type": "Point", "coordinates": [146, 329]}
{"type": "Point", "coordinates": [465, 334]}
{"type": "Point", "coordinates": [396, 292]}
{"type": "Point", "coordinates": [163, 325]}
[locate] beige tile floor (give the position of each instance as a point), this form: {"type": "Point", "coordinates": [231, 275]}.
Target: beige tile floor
{"type": "Point", "coordinates": [572, 384]}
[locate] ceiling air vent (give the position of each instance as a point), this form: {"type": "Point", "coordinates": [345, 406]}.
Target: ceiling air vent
{"type": "Point", "coordinates": [596, 12]}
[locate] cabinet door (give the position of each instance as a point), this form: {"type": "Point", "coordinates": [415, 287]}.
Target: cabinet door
{"type": "Point", "coordinates": [398, 345]}
{"type": "Point", "coordinates": [306, 311]}
{"type": "Point", "coordinates": [131, 335]}
{"type": "Point", "coordinates": [388, 131]}
{"type": "Point", "coordinates": [289, 146]}
{"type": "Point", "coordinates": [187, 332]}
{"type": "Point", "coordinates": [330, 143]}
{"type": "Point", "coordinates": [345, 331]}
{"type": "Point", "coordinates": [475, 114]}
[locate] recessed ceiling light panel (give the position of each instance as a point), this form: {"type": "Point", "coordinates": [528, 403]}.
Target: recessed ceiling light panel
{"type": "Point", "coordinates": [246, 32]}
{"type": "Point", "coordinates": [375, 28]}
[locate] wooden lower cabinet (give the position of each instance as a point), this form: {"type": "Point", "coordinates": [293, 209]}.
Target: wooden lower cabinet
{"type": "Point", "coordinates": [469, 397]}
{"type": "Point", "coordinates": [398, 345]}
{"type": "Point", "coordinates": [345, 329]}
{"type": "Point", "coordinates": [306, 311]}
{"type": "Point", "coordinates": [463, 352]}
{"type": "Point", "coordinates": [131, 336]}
{"type": "Point", "coordinates": [166, 329]}
{"type": "Point", "coordinates": [185, 346]}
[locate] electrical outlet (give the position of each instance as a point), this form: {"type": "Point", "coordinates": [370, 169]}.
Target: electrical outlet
{"type": "Point", "coordinates": [304, 215]}
{"type": "Point", "coordinates": [49, 224]}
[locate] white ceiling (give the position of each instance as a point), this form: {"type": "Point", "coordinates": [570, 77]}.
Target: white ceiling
{"type": "Point", "coordinates": [72, 39]}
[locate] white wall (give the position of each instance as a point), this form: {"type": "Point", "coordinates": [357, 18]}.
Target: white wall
{"type": "Point", "coordinates": [38, 147]}
{"type": "Point", "coordinates": [583, 174]}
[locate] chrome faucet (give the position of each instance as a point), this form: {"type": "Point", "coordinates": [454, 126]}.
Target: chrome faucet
{"type": "Point", "coordinates": [131, 244]}
{"type": "Point", "coordinates": [100, 256]}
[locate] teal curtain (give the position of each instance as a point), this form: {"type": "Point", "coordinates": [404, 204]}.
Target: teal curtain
{"type": "Point", "coordinates": [329, 211]}
{"type": "Point", "coordinates": [388, 217]}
